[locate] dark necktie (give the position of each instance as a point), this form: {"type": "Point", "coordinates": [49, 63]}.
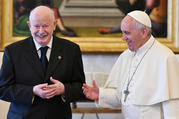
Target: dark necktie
{"type": "Point", "coordinates": [44, 57]}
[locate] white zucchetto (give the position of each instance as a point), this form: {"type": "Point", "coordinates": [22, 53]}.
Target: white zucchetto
{"type": "Point", "coordinates": [141, 17]}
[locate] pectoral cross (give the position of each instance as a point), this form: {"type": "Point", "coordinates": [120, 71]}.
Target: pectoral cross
{"type": "Point", "coordinates": [126, 92]}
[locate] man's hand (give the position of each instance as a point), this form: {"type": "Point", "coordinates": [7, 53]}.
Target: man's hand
{"type": "Point", "coordinates": [57, 86]}
{"type": "Point", "coordinates": [91, 93]}
{"type": "Point", "coordinates": [46, 91]}
{"type": "Point", "coordinates": [42, 91]}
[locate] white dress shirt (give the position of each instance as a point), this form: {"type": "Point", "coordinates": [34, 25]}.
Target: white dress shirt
{"type": "Point", "coordinates": [38, 46]}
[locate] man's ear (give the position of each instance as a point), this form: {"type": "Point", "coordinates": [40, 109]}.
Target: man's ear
{"type": "Point", "coordinates": [55, 24]}
{"type": "Point", "coordinates": [28, 22]}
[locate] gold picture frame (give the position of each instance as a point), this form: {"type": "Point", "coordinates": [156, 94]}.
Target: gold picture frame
{"type": "Point", "coordinates": [92, 44]}
{"type": "Point", "coordinates": [0, 20]}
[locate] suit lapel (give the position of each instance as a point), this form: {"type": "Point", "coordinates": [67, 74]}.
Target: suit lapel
{"type": "Point", "coordinates": [33, 58]}
{"type": "Point", "coordinates": [55, 57]}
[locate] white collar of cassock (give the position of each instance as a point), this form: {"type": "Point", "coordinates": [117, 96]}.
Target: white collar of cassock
{"type": "Point", "coordinates": [145, 47]}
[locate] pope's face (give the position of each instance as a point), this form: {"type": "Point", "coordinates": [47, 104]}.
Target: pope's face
{"type": "Point", "coordinates": [42, 27]}
{"type": "Point", "coordinates": [131, 34]}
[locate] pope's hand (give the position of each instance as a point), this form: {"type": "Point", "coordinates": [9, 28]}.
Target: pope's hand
{"type": "Point", "coordinates": [91, 93]}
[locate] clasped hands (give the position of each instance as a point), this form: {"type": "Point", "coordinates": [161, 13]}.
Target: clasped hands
{"type": "Point", "coordinates": [46, 91]}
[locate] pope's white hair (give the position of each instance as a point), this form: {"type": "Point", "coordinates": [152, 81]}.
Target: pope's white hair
{"type": "Point", "coordinates": [140, 26]}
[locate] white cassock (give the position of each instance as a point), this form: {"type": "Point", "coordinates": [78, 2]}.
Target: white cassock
{"type": "Point", "coordinates": [153, 76]}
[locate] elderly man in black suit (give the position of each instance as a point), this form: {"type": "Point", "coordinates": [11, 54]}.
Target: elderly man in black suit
{"type": "Point", "coordinates": [42, 74]}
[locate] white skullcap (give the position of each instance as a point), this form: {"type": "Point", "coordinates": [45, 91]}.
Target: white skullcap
{"type": "Point", "coordinates": [141, 17]}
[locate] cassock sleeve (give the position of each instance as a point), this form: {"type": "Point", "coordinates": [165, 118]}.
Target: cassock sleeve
{"type": "Point", "coordinates": [170, 109]}
{"type": "Point", "coordinates": [108, 98]}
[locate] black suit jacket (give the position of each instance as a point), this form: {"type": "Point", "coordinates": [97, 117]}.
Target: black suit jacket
{"type": "Point", "coordinates": [22, 69]}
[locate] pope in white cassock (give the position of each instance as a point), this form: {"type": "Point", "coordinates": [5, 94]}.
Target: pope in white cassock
{"type": "Point", "coordinates": [145, 79]}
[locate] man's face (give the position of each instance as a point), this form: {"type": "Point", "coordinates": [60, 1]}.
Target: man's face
{"type": "Point", "coordinates": [130, 34]}
{"type": "Point", "coordinates": [42, 27]}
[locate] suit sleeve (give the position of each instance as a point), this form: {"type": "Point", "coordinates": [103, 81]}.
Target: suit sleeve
{"type": "Point", "coordinates": [10, 90]}
{"type": "Point", "coordinates": [73, 90]}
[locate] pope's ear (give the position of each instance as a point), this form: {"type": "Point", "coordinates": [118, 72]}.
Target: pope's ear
{"type": "Point", "coordinates": [144, 32]}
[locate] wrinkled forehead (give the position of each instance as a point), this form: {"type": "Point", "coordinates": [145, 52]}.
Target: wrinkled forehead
{"type": "Point", "coordinates": [127, 22]}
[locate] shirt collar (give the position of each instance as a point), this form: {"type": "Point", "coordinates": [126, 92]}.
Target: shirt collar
{"type": "Point", "coordinates": [38, 46]}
